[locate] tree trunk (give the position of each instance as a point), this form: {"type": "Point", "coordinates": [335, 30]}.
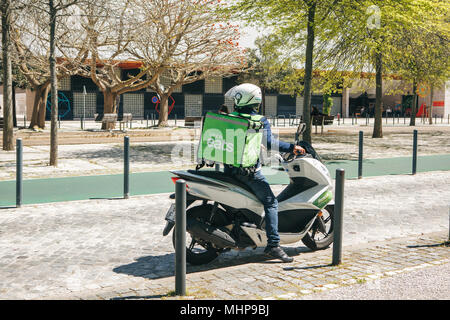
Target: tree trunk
{"type": "Point", "coordinates": [263, 104]}
{"type": "Point", "coordinates": [39, 106]}
{"type": "Point", "coordinates": [308, 72]}
{"type": "Point", "coordinates": [54, 90]}
{"type": "Point", "coordinates": [14, 105]}
{"type": "Point", "coordinates": [43, 106]}
{"type": "Point", "coordinates": [163, 120]}
{"type": "Point", "coordinates": [8, 129]}
{"type": "Point", "coordinates": [412, 120]}
{"type": "Point", "coordinates": [378, 126]}
{"type": "Point", "coordinates": [430, 110]}
{"type": "Point", "coordinates": [109, 106]}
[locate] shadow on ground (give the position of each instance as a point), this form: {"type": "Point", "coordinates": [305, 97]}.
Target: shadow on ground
{"type": "Point", "coordinates": [163, 266]}
{"type": "Point", "coordinates": [156, 267]}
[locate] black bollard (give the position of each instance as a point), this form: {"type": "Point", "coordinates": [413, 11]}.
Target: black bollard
{"type": "Point", "coordinates": [126, 168]}
{"type": "Point", "coordinates": [338, 216]}
{"type": "Point", "coordinates": [19, 170]}
{"type": "Point", "coordinates": [360, 155]}
{"type": "Point", "coordinates": [180, 237]}
{"type": "Point", "coordinates": [414, 164]}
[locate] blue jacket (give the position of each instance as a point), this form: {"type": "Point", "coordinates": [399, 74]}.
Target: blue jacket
{"type": "Point", "coordinates": [270, 142]}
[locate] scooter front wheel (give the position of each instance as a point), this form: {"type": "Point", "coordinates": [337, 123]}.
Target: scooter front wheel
{"type": "Point", "coordinates": [321, 234]}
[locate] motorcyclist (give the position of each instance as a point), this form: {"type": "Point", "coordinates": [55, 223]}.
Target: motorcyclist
{"type": "Point", "coordinates": [247, 99]}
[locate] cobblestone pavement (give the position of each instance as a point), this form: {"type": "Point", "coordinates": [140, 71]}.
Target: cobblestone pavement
{"type": "Point", "coordinates": [114, 248]}
{"type": "Point", "coordinates": [311, 274]}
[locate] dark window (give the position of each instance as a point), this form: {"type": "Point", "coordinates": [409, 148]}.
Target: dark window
{"type": "Point", "coordinates": [78, 82]}
{"type": "Point", "coordinates": [197, 87]}
{"type": "Point", "coordinates": [317, 101]}
{"type": "Point", "coordinates": [229, 83]}
{"type": "Point", "coordinates": [212, 102]}
{"type": "Point", "coordinates": [286, 104]}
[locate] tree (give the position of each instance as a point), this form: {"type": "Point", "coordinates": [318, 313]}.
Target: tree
{"type": "Point", "coordinates": [422, 50]}
{"type": "Point", "coordinates": [297, 24]}
{"type": "Point", "coordinates": [192, 38]}
{"type": "Point", "coordinates": [327, 104]}
{"type": "Point", "coordinates": [111, 32]}
{"type": "Point", "coordinates": [267, 67]}
{"type": "Point", "coordinates": [39, 38]}
{"type": "Point", "coordinates": [54, 6]}
{"type": "Point", "coordinates": [31, 39]}
{"type": "Point", "coordinates": [8, 133]}
{"type": "Point", "coordinates": [366, 39]}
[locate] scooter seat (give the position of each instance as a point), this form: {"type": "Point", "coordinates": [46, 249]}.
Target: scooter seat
{"type": "Point", "coordinates": [222, 177]}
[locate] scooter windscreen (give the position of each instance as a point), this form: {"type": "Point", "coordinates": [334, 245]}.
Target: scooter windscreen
{"type": "Point", "coordinates": [309, 149]}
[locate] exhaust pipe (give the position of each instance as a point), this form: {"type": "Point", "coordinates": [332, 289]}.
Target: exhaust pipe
{"type": "Point", "coordinates": [216, 236]}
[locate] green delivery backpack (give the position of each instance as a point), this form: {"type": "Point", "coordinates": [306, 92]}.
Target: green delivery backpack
{"type": "Point", "coordinates": [233, 139]}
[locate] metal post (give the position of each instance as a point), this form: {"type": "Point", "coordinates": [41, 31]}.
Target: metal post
{"type": "Point", "coordinates": [126, 168]}
{"type": "Point", "coordinates": [180, 237]}
{"type": "Point", "coordinates": [19, 170]}
{"type": "Point", "coordinates": [84, 105]}
{"type": "Point", "coordinates": [323, 120]}
{"type": "Point", "coordinates": [147, 120]}
{"type": "Point", "coordinates": [24, 120]}
{"type": "Point", "coordinates": [175, 120]}
{"type": "Point", "coordinates": [360, 155]}
{"type": "Point", "coordinates": [338, 216]}
{"type": "Point", "coordinates": [414, 164]}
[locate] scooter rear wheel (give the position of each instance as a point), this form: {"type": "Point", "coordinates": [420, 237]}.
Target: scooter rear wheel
{"type": "Point", "coordinates": [198, 252]}
{"type": "Point", "coordinates": [319, 240]}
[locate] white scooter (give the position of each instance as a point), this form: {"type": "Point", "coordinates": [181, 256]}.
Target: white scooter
{"type": "Point", "coordinates": [225, 214]}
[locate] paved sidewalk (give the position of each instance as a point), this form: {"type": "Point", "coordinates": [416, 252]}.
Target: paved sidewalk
{"type": "Point", "coordinates": [364, 268]}
{"type": "Point", "coordinates": [115, 248]}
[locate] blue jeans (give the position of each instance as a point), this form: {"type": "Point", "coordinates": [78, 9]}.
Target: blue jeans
{"type": "Point", "coordinates": [261, 188]}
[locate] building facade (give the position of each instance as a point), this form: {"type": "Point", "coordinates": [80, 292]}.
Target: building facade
{"type": "Point", "coordinates": [80, 96]}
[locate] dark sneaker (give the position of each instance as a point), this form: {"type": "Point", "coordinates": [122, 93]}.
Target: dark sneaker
{"type": "Point", "coordinates": [278, 253]}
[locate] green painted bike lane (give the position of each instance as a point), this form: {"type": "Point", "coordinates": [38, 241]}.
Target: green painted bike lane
{"type": "Point", "coordinates": [111, 186]}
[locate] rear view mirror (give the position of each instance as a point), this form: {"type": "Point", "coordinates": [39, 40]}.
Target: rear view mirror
{"type": "Point", "coordinates": [300, 129]}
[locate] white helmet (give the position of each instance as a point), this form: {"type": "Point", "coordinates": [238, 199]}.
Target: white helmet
{"type": "Point", "coordinates": [245, 94]}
